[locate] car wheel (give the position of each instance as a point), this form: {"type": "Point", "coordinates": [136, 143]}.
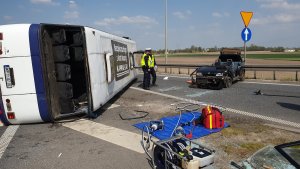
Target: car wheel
{"type": "Point", "coordinates": [242, 78]}
{"type": "Point", "coordinates": [228, 82]}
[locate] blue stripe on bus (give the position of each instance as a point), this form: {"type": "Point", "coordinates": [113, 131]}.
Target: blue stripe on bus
{"type": "Point", "coordinates": [38, 72]}
{"type": "Point", "coordinates": [3, 118]}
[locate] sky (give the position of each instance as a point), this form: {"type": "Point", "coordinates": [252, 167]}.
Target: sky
{"type": "Point", "coordinates": [205, 23]}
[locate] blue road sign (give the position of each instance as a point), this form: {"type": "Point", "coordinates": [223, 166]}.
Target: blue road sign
{"type": "Point", "coordinates": [246, 34]}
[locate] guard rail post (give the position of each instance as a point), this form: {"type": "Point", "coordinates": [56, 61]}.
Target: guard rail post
{"type": "Point", "coordinates": [296, 76]}
{"type": "Point", "coordinates": [274, 75]}
{"type": "Point", "coordinates": [254, 74]}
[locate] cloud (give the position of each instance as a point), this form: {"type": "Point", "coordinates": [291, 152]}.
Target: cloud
{"type": "Point", "coordinates": [278, 18]}
{"type": "Point", "coordinates": [263, 1]}
{"type": "Point", "coordinates": [72, 5]}
{"type": "Point", "coordinates": [216, 14]}
{"type": "Point", "coordinates": [126, 20]}
{"type": "Point", "coordinates": [182, 15]}
{"type": "Point", "coordinates": [46, 2]}
{"type": "Point", "coordinates": [281, 4]}
{"type": "Point", "coordinates": [284, 12]}
{"type": "Point", "coordinates": [7, 18]}
{"type": "Point", "coordinates": [71, 15]}
{"type": "Point", "coordinates": [220, 15]}
{"type": "Point", "coordinates": [192, 27]}
{"type": "Point", "coordinates": [179, 15]}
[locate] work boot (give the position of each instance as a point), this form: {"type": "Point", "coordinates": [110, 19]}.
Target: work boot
{"type": "Point", "coordinates": [146, 88]}
{"type": "Point", "coordinates": [154, 85]}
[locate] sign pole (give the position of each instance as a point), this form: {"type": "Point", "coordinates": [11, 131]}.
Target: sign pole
{"type": "Point", "coordinates": [245, 52]}
{"type": "Point", "coordinates": [166, 34]}
{"type": "Point", "coordinates": [246, 33]}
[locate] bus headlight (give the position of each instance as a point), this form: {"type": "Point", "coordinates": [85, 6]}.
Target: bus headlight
{"type": "Point", "coordinates": [219, 74]}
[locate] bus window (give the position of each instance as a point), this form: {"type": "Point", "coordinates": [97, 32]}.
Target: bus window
{"type": "Point", "coordinates": [109, 67]}
{"type": "Point", "coordinates": [131, 60]}
{"type": "Point", "coordinates": [137, 58]}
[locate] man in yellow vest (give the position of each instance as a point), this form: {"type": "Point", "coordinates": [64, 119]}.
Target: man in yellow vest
{"type": "Point", "coordinates": [148, 64]}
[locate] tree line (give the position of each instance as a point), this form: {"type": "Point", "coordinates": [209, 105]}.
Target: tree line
{"type": "Point", "coordinates": [197, 49]}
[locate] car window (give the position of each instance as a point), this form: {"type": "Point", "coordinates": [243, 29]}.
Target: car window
{"type": "Point", "coordinates": [269, 157]}
{"type": "Point", "coordinates": [291, 151]}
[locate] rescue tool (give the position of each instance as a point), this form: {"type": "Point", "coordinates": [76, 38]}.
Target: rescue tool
{"type": "Point", "coordinates": [179, 151]}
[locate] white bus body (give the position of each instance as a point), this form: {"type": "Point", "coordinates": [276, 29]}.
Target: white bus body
{"type": "Point", "coordinates": [51, 71]}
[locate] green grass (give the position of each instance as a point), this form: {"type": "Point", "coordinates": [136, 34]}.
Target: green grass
{"type": "Point", "coordinates": [189, 55]}
{"type": "Point", "coordinates": [276, 56]}
{"type": "Point", "coordinates": [281, 56]}
{"type": "Point", "coordinates": [252, 146]}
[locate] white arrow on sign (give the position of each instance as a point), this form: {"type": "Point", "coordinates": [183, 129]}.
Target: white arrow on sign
{"type": "Point", "coordinates": [246, 34]}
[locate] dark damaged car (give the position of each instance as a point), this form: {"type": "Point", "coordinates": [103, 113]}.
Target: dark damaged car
{"type": "Point", "coordinates": [227, 69]}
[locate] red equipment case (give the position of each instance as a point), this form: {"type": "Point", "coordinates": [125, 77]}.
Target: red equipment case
{"type": "Point", "coordinates": [212, 118]}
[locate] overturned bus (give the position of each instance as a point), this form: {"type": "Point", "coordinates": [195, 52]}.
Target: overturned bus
{"type": "Point", "coordinates": [49, 71]}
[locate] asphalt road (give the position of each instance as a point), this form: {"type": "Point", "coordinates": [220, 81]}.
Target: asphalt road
{"type": "Point", "coordinates": [57, 146]}
{"type": "Point", "coordinates": [278, 101]}
{"type": "Point", "coordinates": [46, 146]}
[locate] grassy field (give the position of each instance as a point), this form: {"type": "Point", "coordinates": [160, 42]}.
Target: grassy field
{"type": "Point", "coordinates": [277, 56]}
{"type": "Point", "coordinates": [189, 55]}
{"type": "Point", "coordinates": [281, 56]}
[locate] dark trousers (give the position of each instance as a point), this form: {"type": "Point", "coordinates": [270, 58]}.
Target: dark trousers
{"type": "Point", "coordinates": [146, 80]}
{"type": "Point", "coordinates": [153, 74]}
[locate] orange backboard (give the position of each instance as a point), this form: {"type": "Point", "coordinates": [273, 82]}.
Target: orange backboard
{"type": "Point", "coordinates": [246, 16]}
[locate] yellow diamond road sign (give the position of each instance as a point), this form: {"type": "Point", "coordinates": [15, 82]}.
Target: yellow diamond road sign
{"type": "Point", "coordinates": [246, 17]}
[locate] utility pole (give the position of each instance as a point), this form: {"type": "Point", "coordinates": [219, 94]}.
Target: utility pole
{"type": "Point", "coordinates": [166, 33]}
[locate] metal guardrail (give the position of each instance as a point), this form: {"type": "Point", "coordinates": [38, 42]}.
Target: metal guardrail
{"type": "Point", "coordinates": [273, 67]}
{"type": "Point", "coordinates": [254, 68]}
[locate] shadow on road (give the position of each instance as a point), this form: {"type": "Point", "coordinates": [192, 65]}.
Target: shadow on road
{"type": "Point", "coordinates": [289, 106]}
{"type": "Point", "coordinates": [281, 95]}
{"type": "Point", "coordinates": [259, 92]}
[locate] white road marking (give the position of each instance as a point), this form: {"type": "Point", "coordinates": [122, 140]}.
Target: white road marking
{"type": "Point", "coordinates": [123, 138]}
{"type": "Point", "coordinates": [6, 138]}
{"type": "Point", "coordinates": [280, 121]}
{"type": "Point", "coordinates": [1, 124]}
{"type": "Point", "coordinates": [181, 77]}
{"type": "Point", "coordinates": [170, 89]}
{"type": "Point", "coordinates": [199, 94]}
{"type": "Point", "coordinates": [59, 155]}
{"type": "Point", "coordinates": [110, 106]}
{"type": "Point", "coordinates": [276, 84]}
{"type": "Point", "coordinates": [113, 106]}
{"type": "Point", "coordinates": [170, 96]}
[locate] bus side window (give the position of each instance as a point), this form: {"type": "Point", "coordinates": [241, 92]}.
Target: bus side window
{"type": "Point", "coordinates": [131, 60]}
{"type": "Point", "coordinates": [109, 61]}
{"type": "Point", "coordinates": [137, 58]}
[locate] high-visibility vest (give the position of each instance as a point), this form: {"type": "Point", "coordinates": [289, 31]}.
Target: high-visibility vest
{"type": "Point", "coordinates": [150, 61]}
